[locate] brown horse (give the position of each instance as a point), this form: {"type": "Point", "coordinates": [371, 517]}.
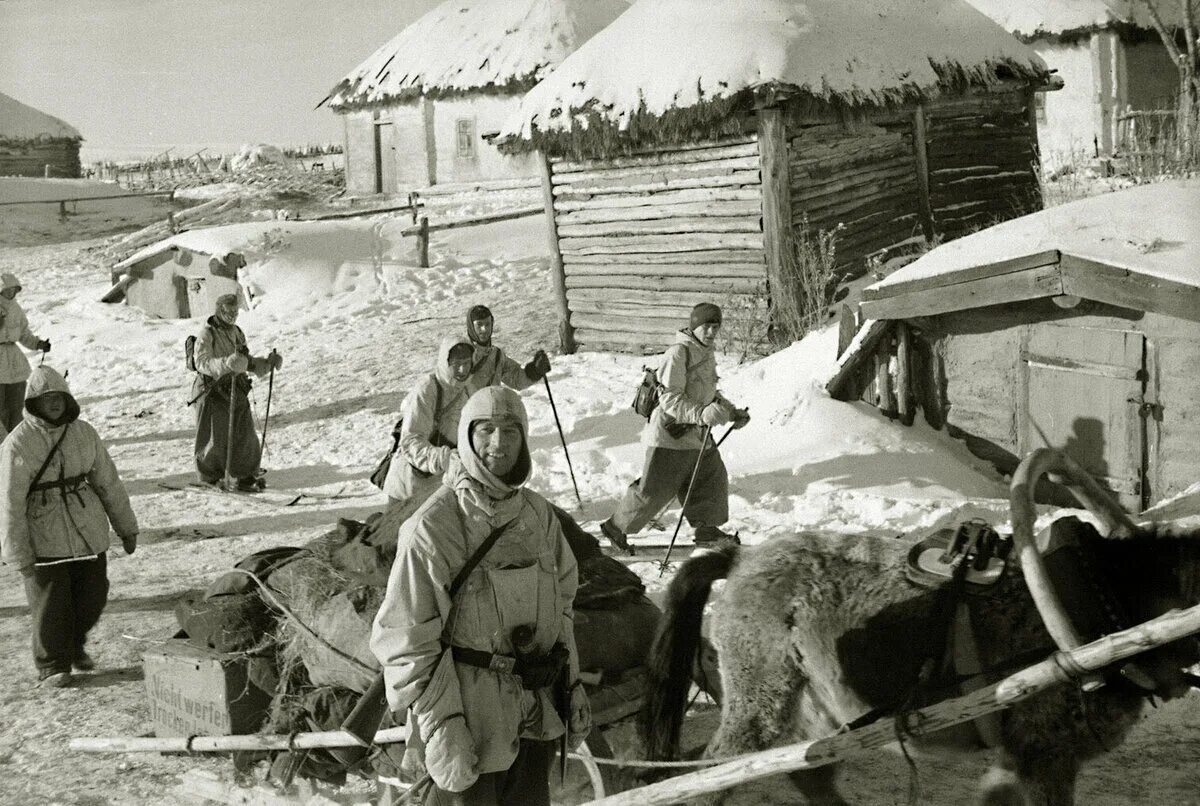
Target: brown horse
{"type": "Point", "coordinates": [815, 631]}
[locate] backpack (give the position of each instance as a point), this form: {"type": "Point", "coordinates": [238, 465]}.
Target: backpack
{"type": "Point", "coordinates": [380, 473]}
{"type": "Point", "coordinates": [645, 397]}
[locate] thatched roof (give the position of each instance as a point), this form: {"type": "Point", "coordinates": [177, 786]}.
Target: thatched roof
{"type": "Point", "coordinates": [1052, 19]}
{"type": "Point", "coordinates": [475, 45]}
{"type": "Point", "coordinates": [684, 66]}
{"type": "Point", "coordinates": [20, 121]}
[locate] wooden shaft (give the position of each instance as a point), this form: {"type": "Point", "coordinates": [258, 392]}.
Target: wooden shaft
{"type": "Point", "coordinates": [566, 334]}
{"type": "Point", "coordinates": [1020, 686]}
{"type": "Point", "coordinates": [423, 243]}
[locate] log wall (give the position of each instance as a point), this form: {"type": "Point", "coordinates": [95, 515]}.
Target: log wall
{"type": "Point", "coordinates": [982, 157]}
{"type": "Point", "coordinates": [643, 238]}
{"type": "Point", "coordinates": [30, 158]}
{"type": "Point", "coordinates": [863, 179]}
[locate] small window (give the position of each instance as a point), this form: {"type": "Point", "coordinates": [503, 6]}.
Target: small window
{"type": "Point", "coordinates": [1039, 106]}
{"type": "Point", "coordinates": [465, 130]}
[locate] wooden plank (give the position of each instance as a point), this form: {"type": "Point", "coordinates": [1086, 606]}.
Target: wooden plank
{"type": "Point", "coordinates": [689, 242]}
{"type": "Point", "coordinates": [676, 315]}
{"type": "Point", "coordinates": [779, 238]}
{"type": "Point", "coordinates": [664, 198]}
{"type": "Point", "coordinates": [886, 175]}
{"type": "Point", "coordinates": [672, 157]}
{"type": "Point", "coordinates": [664, 270]}
{"type": "Point", "coordinates": [1016, 286]}
{"type": "Point", "coordinates": [1036, 260]}
{"type": "Point", "coordinates": [633, 296]}
{"type": "Point", "coordinates": [664, 226]}
{"type": "Point", "coordinates": [557, 273]}
{"type": "Point", "coordinates": [691, 146]}
{"type": "Point", "coordinates": [1127, 288]}
{"type": "Point", "coordinates": [706, 285]}
{"type": "Point", "coordinates": [655, 169]}
{"type": "Point", "coordinates": [735, 179]}
{"type": "Point", "coordinates": [663, 327]}
{"type": "Point", "coordinates": [703, 257]}
{"type": "Point", "coordinates": [623, 341]}
{"type": "Point", "coordinates": [860, 352]}
{"type": "Point", "coordinates": [904, 398]}
{"type": "Point", "coordinates": [660, 178]}
{"type": "Point", "coordinates": [712, 209]}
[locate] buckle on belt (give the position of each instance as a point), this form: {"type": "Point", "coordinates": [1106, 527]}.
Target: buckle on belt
{"type": "Point", "coordinates": [502, 664]}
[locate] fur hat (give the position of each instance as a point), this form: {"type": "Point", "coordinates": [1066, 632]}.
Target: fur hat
{"type": "Point", "coordinates": [703, 314]}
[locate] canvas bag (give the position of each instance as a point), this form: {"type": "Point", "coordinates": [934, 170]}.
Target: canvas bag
{"type": "Point", "coordinates": [380, 473]}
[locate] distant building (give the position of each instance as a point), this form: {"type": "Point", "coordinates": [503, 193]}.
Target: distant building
{"type": "Point", "coordinates": [33, 143]}
{"type": "Point", "coordinates": [692, 145]}
{"type": "Point", "coordinates": [1109, 57]}
{"type": "Point", "coordinates": [416, 110]}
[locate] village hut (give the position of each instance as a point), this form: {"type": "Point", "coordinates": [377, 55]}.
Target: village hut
{"type": "Point", "coordinates": [415, 111]}
{"type": "Point", "coordinates": [1076, 326]}
{"type": "Point", "coordinates": [692, 144]}
{"type": "Point", "coordinates": [33, 143]}
{"type": "Point", "coordinates": [177, 278]}
{"type": "Point", "coordinates": [1112, 62]}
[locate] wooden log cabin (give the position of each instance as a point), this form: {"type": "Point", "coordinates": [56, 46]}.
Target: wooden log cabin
{"type": "Point", "coordinates": [1077, 326]}
{"type": "Point", "coordinates": [415, 110]}
{"type": "Point", "coordinates": [33, 143]}
{"type": "Point", "coordinates": [689, 146]}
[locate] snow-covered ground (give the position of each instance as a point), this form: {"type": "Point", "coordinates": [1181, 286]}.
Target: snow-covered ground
{"type": "Point", "coordinates": [357, 323]}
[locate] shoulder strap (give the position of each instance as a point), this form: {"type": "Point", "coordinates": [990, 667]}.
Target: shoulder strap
{"type": "Point", "coordinates": [475, 558]}
{"type": "Point", "coordinates": [42, 470]}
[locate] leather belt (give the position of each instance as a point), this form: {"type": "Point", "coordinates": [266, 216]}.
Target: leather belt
{"type": "Point", "coordinates": [504, 664]}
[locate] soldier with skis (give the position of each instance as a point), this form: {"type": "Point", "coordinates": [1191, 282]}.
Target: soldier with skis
{"type": "Point", "coordinates": [476, 631]}
{"type": "Point", "coordinates": [429, 428]}
{"type": "Point", "coordinates": [14, 366]}
{"type": "Point", "coordinates": [678, 440]}
{"type": "Point", "coordinates": [491, 366]}
{"type": "Point", "coordinates": [221, 391]}
{"type": "Point", "coordinates": [60, 493]}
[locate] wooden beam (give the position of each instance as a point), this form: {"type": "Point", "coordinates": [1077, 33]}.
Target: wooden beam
{"type": "Point", "coordinates": [1036, 260]}
{"type": "Point", "coordinates": [922, 157]}
{"type": "Point", "coordinates": [1126, 288]}
{"type": "Point", "coordinates": [860, 351]}
{"type": "Point", "coordinates": [1034, 283]}
{"type": "Point", "coordinates": [904, 396]}
{"type": "Point", "coordinates": [779, 236]}
{"type": "Point", "coordinates": [558, 278]}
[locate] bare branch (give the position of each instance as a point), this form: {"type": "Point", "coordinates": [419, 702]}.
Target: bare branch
{"type": "Point", "coordinates": [1164, 33]}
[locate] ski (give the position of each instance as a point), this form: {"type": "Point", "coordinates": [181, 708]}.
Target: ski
{"type": "Point", "coordinates": [263, 497]}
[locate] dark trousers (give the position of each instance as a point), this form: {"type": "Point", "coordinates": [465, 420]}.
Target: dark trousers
{"type": "Point", "coordinates": [525, 783]}
{"type": "Point", "coordinates": [212, 433]}
{"type": "Point", "coordinates": [12, 399]}
{"type": "Point", "coordinates": [66, 601]}
{"type": "Point", "coordinates": [665, 476]}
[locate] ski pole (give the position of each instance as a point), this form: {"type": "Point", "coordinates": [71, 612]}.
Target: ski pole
{"type": "Point", "coordinates": [686, 497]}
{"type": "Point", "coordinates": [229, 481]}
{"type": "Point", "coordinates": [563, 440]}
{"type": "Point", "coordinates": [656, 521]}
{"type": "Point", "coordinates": [270, 389]}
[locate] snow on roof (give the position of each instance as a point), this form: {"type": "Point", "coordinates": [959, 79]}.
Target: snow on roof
{"type": "Point", "coordinates": [1034, 18]}
{"type": "Point", "coordinates": [466, 45]}
{"type": "Point", "coordinates": [20, 121]}
{"type": "Point", "coordinates": [665, 55]}
{"type": "Point", "coordinates": [1152, 230]}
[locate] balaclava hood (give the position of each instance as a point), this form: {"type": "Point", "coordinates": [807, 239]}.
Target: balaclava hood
{"type": "Point", "coordinates": [494, 403]}
{"type": "Point", "coordinates": [476, 313]}
{"type": "Point", "coordinates": [45, 379]}
{"type": "Point", "coordinates": [442, 370]}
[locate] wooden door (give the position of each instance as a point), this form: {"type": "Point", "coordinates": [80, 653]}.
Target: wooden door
{"type": "Point", "coordinates": [1083, 389]}
{"type": "Point", "coordinates": [385, 158]}
{"type": "Point", "coordinates": [197, 297]}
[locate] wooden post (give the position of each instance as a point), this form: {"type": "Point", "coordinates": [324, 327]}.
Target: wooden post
{"type": "Point", "coordinates": [779, 237]}
{"type": "Point", "coordinates": [566, 333]}
{"type": "Point", "coordinates": [924, 208]}
{"type": "Point", "coordinates": [1031, 122]}
{"type": "Point", "coordinates": [423, 243]}
{"type": "Point", "coordinates": [62, 208]}
{"type": "Point", "coordinates": [904, 407]}
{"type": "Point", "coordinates": [886, 400]}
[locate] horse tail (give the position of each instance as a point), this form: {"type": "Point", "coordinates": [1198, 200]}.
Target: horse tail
{"type": "Point", "coordinates": [673, 653]}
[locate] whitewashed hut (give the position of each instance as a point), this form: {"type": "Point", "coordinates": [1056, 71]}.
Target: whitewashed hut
{"type": "Point", "coordinates": [416, 109]}
{"type": "Point", "coordinates": [687, 143]}
{"type": "Point", "coordinates": [33, 143]}
{"type": "Point", "coordinates": [1077, 326]}
{"type": "Point", "coordinates": [1111, 62]}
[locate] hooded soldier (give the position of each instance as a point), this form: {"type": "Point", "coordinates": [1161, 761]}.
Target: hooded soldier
{"type": "Point", "coordinates": [680, 450]}
{"type": "Point", "coordinates": [61, 492]}
{"type": "Point", "coordinates": [491, 366]}
{"type": "Point", "coordinates": [429, 428]}
{"type": "Point", "coordinates": [482, 671]}
{"type": "Point", "coordinates": [14, 366]}
{"type": "Point", "coordinates": [222, 362]}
